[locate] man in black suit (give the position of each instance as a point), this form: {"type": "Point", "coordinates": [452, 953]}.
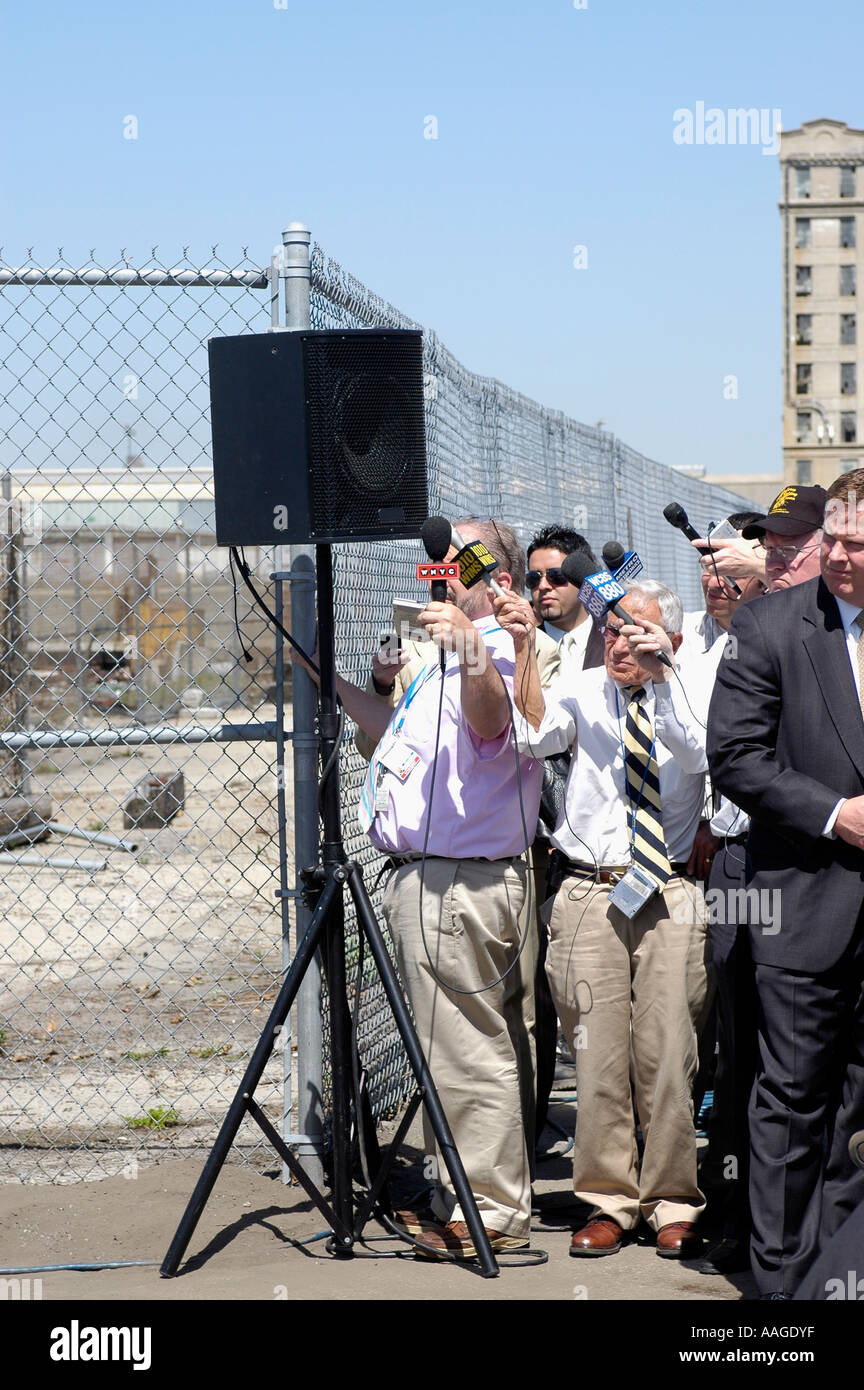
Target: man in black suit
{"type": "Point", "coordinates": [786, 743]}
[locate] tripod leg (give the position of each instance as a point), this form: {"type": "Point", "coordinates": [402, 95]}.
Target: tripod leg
{"type": "Point", "coordinates": [230, 1125]}
{"type": "Point", "coordinates": [340, 1079]}
{"type": "Point", "coordinates": [438, 1120]}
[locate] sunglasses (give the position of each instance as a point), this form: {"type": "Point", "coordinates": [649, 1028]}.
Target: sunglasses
{"type": "Point", "coordinates": [554, 575]}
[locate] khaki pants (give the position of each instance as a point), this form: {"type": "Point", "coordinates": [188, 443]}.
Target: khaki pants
{"type": "Point", "coordinates": [480, 1047]}
{"type": "Point", "coordinates": [630, 994]}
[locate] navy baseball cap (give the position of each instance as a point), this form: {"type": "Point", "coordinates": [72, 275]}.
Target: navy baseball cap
{"type": "Point", "coordinates": [795, 511]}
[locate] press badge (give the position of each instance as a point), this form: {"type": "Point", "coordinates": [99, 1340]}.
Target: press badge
{"type": "Point", "coordinates": [397, 757]}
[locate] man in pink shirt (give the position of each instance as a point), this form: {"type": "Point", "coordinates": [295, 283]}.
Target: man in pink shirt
{"type": "Point", "coordinates": [453, 805]}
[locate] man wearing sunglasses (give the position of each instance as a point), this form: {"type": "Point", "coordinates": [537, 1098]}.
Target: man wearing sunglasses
{"type": "Point", "coordinates": [562, 617]}
{"type": "Point", "coordinates": [556, 602]}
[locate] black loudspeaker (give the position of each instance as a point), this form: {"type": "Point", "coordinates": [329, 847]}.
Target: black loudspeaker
{"type": "Point", "coordinates": [318, 436]}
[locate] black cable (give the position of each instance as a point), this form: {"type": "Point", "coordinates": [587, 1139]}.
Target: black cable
{"type": "Point", "coordinates": [247, 580]}
{"type": "Point", "coordinates": [247, 655]}
{"type": "Point", "coordinates": [355, 1060]}
{"type": "Point", "coordinates": [689, 706]}
{"type": "Point", "coordinates": [337, 748]}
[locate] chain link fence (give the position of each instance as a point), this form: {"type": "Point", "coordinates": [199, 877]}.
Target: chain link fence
{"type": "Point", "coordinates": [145, 921]}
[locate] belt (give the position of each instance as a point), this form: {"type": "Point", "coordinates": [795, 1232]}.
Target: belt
{"type": "Point", "coordinates": [604, 873]}
{"type": "Point", "coordinates": [395, 861]}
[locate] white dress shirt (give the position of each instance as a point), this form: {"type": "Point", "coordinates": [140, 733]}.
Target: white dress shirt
{"type": "Point", "coordinates": [591, 717]}
{"type": "Point", "coordinates": [849, 618]}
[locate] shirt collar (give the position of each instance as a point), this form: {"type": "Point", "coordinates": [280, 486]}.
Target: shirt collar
{"type": "Point", "coordinates": [848, 612]}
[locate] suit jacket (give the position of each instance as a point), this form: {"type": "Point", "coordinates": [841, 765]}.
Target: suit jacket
{"type": "Point", "coordinates": [595, 650]}
{"type": "Point", "coordinates": [786, 742]}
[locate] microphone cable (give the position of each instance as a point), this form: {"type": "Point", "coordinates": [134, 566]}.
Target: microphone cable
{"type": "Point", "coordinates": [237, 557]}
{"type": "Point", "coordinates": [524, 856]}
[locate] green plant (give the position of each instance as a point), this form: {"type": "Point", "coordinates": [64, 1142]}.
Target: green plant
{"type": "Point", "coordinates": [96, 825]}
{"type": "Point", "coordinates": [156, 1118]}
{"type": "Point", "coordinates": [205, 1052]}
{"type": "Point", "coordinates": [2, 1041]}
{"type": "Point", "coordinates": [146, 1056]}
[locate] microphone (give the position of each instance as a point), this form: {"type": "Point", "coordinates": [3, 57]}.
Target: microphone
{"type": "Point", "coordinates": [623, 564]}
{"type": "Point", "coordinates": [677, 517]}
{"type": "Point", "coordinates": [434, 526]}
{"type": "Point", "coordinates": [436, 534]}
{"type": "Point", "coordinates": [600, 592]}
{"type": "Point", "coordinates": [613, 555]}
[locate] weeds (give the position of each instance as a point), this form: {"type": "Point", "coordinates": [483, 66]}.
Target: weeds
{"type": "Point", "coordinates": [156, 1118]}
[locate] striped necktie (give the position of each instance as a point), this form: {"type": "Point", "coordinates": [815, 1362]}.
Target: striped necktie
{"type": "Point", "coordinates": [642, 781]}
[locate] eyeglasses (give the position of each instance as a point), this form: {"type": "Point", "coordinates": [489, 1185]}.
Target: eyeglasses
{"type": "Point", "coordinates": [554, 575]}
{"type": "Point", "coordinates": [786, 553]}
{"type": "Point", "coordinates": [610, 633]}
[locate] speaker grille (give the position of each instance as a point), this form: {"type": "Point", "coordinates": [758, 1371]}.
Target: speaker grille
{"type": "Point", "coordinates": [366, 432]}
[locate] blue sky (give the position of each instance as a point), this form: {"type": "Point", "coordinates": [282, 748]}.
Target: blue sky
{"type": "Point", "coordinates": [554, 130]}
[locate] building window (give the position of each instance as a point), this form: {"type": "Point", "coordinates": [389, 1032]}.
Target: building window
{"type": "Point", "coordinates": [847, 181]}
{"type": "Point", "coordinates": [803, 378]}
{"type": "Point", "coordinates": [803, 283]}
{"type": "Point", "coordinates": [804, 427]}
{"type": "Point", "coordinates": [847, 328]}
{"type": "Point", "coordinates": [804, 329]}
{"type": "Point", "coordinates": [847, 231]}
{"type": "Point", "coordinates": [802, 183]}
{"type": "Point", "coordinates": [848, 428]}
{"type": "Point", "coordinates": [802, 231]}
{"type": "Point", "coordinates": [847, 279]}
{"type": "Point", "coordinates": [847, 379]}
{"type": "Point", "coordinates": [846, 465]}
{"type": "Point", "coordinates": [803, 472]}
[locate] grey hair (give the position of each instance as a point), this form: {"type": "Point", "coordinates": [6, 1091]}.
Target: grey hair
{"type": "Point", "coordinates": [670, 605]}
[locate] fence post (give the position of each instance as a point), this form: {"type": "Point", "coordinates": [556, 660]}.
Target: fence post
{"type": "Point", "coordinates": [14, 637]}
{"type": "Point", "coordinates": [296, 271]}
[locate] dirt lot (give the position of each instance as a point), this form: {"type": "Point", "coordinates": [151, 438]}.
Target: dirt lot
{"type": "Point", "coordinates": [255, 1240]}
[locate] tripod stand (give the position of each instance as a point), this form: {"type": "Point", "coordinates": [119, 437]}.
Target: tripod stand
{"type": "Point", "coordinates": [327, 930]}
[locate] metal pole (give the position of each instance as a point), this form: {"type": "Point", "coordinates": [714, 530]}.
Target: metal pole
{"type": "Point", "coordinates": [283, 893]}
{"type": "Point", "coordinates": [310, 1041]}
{"type": "Point", "coordinates": [297, 273]}
{"type": "Point", "coordinates": [15, 635]}
{"type": "Point", "coordinates": [77, 632]}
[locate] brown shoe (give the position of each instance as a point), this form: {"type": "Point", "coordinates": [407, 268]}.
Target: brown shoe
{"type": "Point", "coordinates": [601, 1236]}
{"type": "Point", "coordinates": [455, 1239]}
{"type": "Point", "coordinates": [678, 1240]}
{"type": "Point", "coordinates": [416, 1222]}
